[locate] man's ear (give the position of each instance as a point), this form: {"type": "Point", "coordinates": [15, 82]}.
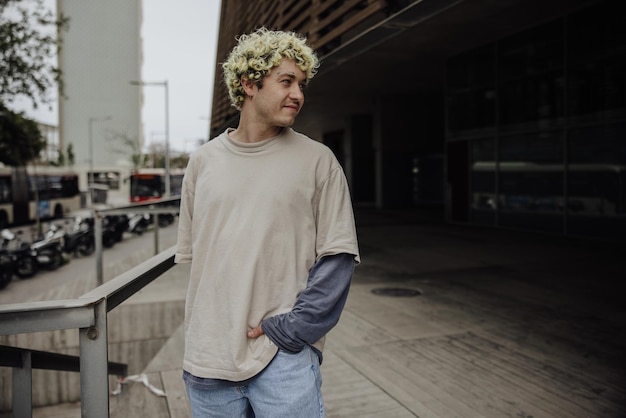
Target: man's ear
{"type": "Point", "coordinates": [248, 86]}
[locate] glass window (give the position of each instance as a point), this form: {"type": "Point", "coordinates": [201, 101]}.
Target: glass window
{"type": "Point", "coordinates": [483, 181]}
{"type": "Point", "coordinates": [597, 58]}
{"type": "Point", "coordinates": [5, 189]}
{"type": "Point", "coordinates": [533, 102]}
{"type": "Point", "coordinates": [531, 77]}
{"type": "Point", "coordinates": [108, 178]}
{"type": "Point", "coordinates": [471, 69]}
{"type": "Point", "coordinates": [531, 172]}
{"type": "Point", "coordinates": [535, 51]}
{"type": "Point", "coordinates": [596, 171]}
{"type": "Point", "coordinates": [471, 110]}
{"type": "Point", "coordinates": [471, 90]}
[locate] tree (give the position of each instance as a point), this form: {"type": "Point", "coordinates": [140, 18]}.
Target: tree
{"type": "Point", "coordinates": [20, 139]}
{"type": "Point", "coordinates": [28, 47]}
{"type": "Point", "coordinates": [126, 144]}
{"type": "Point", "coordinates": [60, 162]}
{"type": "Point", "coordinates": [70, 154]}
{"type": "Point", "coordinates": [26, 69]}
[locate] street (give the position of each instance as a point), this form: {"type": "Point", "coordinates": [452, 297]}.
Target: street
{"type": "Point", "coordinates": [79, 274]}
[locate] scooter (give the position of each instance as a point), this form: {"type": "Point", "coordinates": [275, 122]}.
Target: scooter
{"type": "Point", "coordinates": [7, 265]}
{"type": "Point", "coordinates": [24, 258]}
{"type": "Point", "coordinates": [80, 239]}
{"type": "Point", "coordinates": [113, 227]}
{"type": "Point", "coordinates": [138, 223]}
{"type": "Point", "coordinates": [49, 249]}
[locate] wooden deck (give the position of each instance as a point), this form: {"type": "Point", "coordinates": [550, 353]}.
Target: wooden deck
{"type": "Point", "coordinates": [507, 325]}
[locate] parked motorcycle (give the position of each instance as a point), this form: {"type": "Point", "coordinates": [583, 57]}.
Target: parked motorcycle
{"type": "Point", "coordinates": [138, 223]}
{"type": "Point", "coordinates": [81, 239]}
{"type": "Point", "coordinates": [165, 219]}
{"type": "Point", "coordinates": [113, 227]}
{"type": "Point", "coordinates": [7, 264]}
{"type": "Point", "coordinates": [49, 249]}
{"type": "Point", "coordinates": [23, 257]}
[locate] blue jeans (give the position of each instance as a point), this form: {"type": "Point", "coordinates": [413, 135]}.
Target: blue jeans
{"type": "Point", "coordinates": [289, 387]}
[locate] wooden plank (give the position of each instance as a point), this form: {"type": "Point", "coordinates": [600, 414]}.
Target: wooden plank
{"type": "Point", "coordinates": [170, 356]}
{"type": "Point", "coordinates": [296, 6]}
{"type": "Point", "coordinates": [353, 331]}
{"type": "Point", "coordinates": [484, 388]}
{"type": "Point", "coordinates": [136, 400]}
{"type": "Point", "coordinates": [582, 379]}
{"type": "Point", "coordinates": [413, 317]}
{"type": "Point", "coordinates": [347, 25]}
{"type": "Point", "coordinates": [565, 351]}
{"type": "Point", "coordinates": [347, 393]}
{"type": "Point", "coordinates": [388, 371]}
{"type": "Point", "coordinates": [177, 401]}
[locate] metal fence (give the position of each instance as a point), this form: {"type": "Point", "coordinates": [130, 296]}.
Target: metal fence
{"type": "Point", "coordinates": [88, 314]}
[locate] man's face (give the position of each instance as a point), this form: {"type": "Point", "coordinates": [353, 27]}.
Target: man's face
{"type": "Point", "coordinates": [281, 97]}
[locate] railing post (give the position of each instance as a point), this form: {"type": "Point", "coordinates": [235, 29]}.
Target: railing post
{"type": "Point", "coordinates": [156, 233]}
{"type": "Point", "coordinates": [23, 388]}
{"type": "Point", "coordinates": [97, 220]}
{"type": "Point", "coordinates": [94, 357]}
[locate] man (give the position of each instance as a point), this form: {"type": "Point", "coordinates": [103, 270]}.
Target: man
{"type": "Point", "coordinates": [267, 224]}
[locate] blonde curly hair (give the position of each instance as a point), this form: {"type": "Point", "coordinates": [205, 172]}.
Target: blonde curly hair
{"type": "Point", "coordinates": [257, 53]}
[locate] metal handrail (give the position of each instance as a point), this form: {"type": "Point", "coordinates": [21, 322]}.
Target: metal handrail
{"type": "Point", "coordinates": [47, 360]}
{"type": "Point", "coordinates": [88, 314]}
{"type": "Point", "coordinates": [161, 206]}
{"type": "Point", "coordinates": [23, 361]}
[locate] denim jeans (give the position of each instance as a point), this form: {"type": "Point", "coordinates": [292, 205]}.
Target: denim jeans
{"type": "Point", "coordinates": [289, 387]}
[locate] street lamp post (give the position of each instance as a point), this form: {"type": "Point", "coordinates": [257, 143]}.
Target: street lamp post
{"type": "Point", "coordinates": [167, 128]}
{"type": "Point", "coordinates": [90, 176]}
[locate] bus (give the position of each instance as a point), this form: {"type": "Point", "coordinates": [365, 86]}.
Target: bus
{"type": "Point", "coordinates": [592, 188]}
{"type": "Point", "coordinates": [149, 184]}
{"type": "Point", "coordinates": [31, 193]}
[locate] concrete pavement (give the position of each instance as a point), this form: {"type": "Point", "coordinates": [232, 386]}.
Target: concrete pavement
{"type": "Point", "coordinates": [541, 299]}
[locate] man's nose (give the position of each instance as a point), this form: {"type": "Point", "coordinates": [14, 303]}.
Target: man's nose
{"type": "Point", "coordinates": [296, 92]}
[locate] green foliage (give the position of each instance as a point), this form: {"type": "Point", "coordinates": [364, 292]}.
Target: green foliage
{"type": "Point", "coordinates": [179, 160]}
{"type": "Point", "coordinates": [129, 146]}
{"type": "Point", "coordinates": [27, 50]}
{"type": "Point", "coordinates": [20, 139]}
{"type": "Point", "coordinates": [70, 154]}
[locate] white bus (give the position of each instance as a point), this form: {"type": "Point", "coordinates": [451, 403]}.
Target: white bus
{"type": "Point", "coordinates": [36, 192]}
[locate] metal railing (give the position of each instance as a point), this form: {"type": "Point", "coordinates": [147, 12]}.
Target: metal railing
{"type": "Point", "coordinates": [88, 314]}
{"type": "Point", "coordinates": [23, 361]}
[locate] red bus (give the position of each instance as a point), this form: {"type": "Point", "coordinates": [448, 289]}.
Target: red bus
{"type": "Point", "coordinates": [149, 184]}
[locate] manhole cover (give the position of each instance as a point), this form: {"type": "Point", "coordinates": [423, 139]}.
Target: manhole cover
{"type": "Point", "coordinates": [396, 292]}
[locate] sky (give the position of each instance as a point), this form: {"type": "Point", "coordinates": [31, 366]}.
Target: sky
{"type": "Point", "coordinates": [179, 41]}
{"type": "Point", "coordinates": [179, 45]}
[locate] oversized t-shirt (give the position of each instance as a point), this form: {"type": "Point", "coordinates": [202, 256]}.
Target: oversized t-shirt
{"type": "Point", "coordinates": [254, 219]}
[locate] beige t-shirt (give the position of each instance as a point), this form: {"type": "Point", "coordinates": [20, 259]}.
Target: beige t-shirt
{"type": "Point", "coordinates": [254, 219]}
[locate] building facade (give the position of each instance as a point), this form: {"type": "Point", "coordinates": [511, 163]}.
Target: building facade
{"type": "Point", "coordinates": [508, 114]}
{"type": "Point", "coordinates": [100, 111]}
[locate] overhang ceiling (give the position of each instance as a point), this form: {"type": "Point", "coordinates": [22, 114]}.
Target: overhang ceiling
{"type": "Point", "coordinates": [406, 53]}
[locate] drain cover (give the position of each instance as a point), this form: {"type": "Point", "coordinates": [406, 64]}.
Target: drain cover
{"type": "Point", "coordinates": [396, 292]}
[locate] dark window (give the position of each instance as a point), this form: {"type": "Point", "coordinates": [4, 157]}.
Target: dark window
{"type": "Point", "coordinates": [531, 172]}
{"type": "Point", "coordinates": [107, 178]}
{"type": "Point", "coordinates": [597, 57]}
{"type": "Point", "coordinates": [471, 90]}
{"type": "Point", "coordinates": [483, 181]}
{"type": "Point", "coordinates": [6, 193]}
{"type": "Point", "coordinates": [531, 77]}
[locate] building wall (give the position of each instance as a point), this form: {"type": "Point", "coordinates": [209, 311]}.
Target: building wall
{"type": "Point", "coordinates": [101, 55]}
{"type": "Point", "coordinates": [435, 102]}
{"type": "Point", "coordinates": [540, 117]}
